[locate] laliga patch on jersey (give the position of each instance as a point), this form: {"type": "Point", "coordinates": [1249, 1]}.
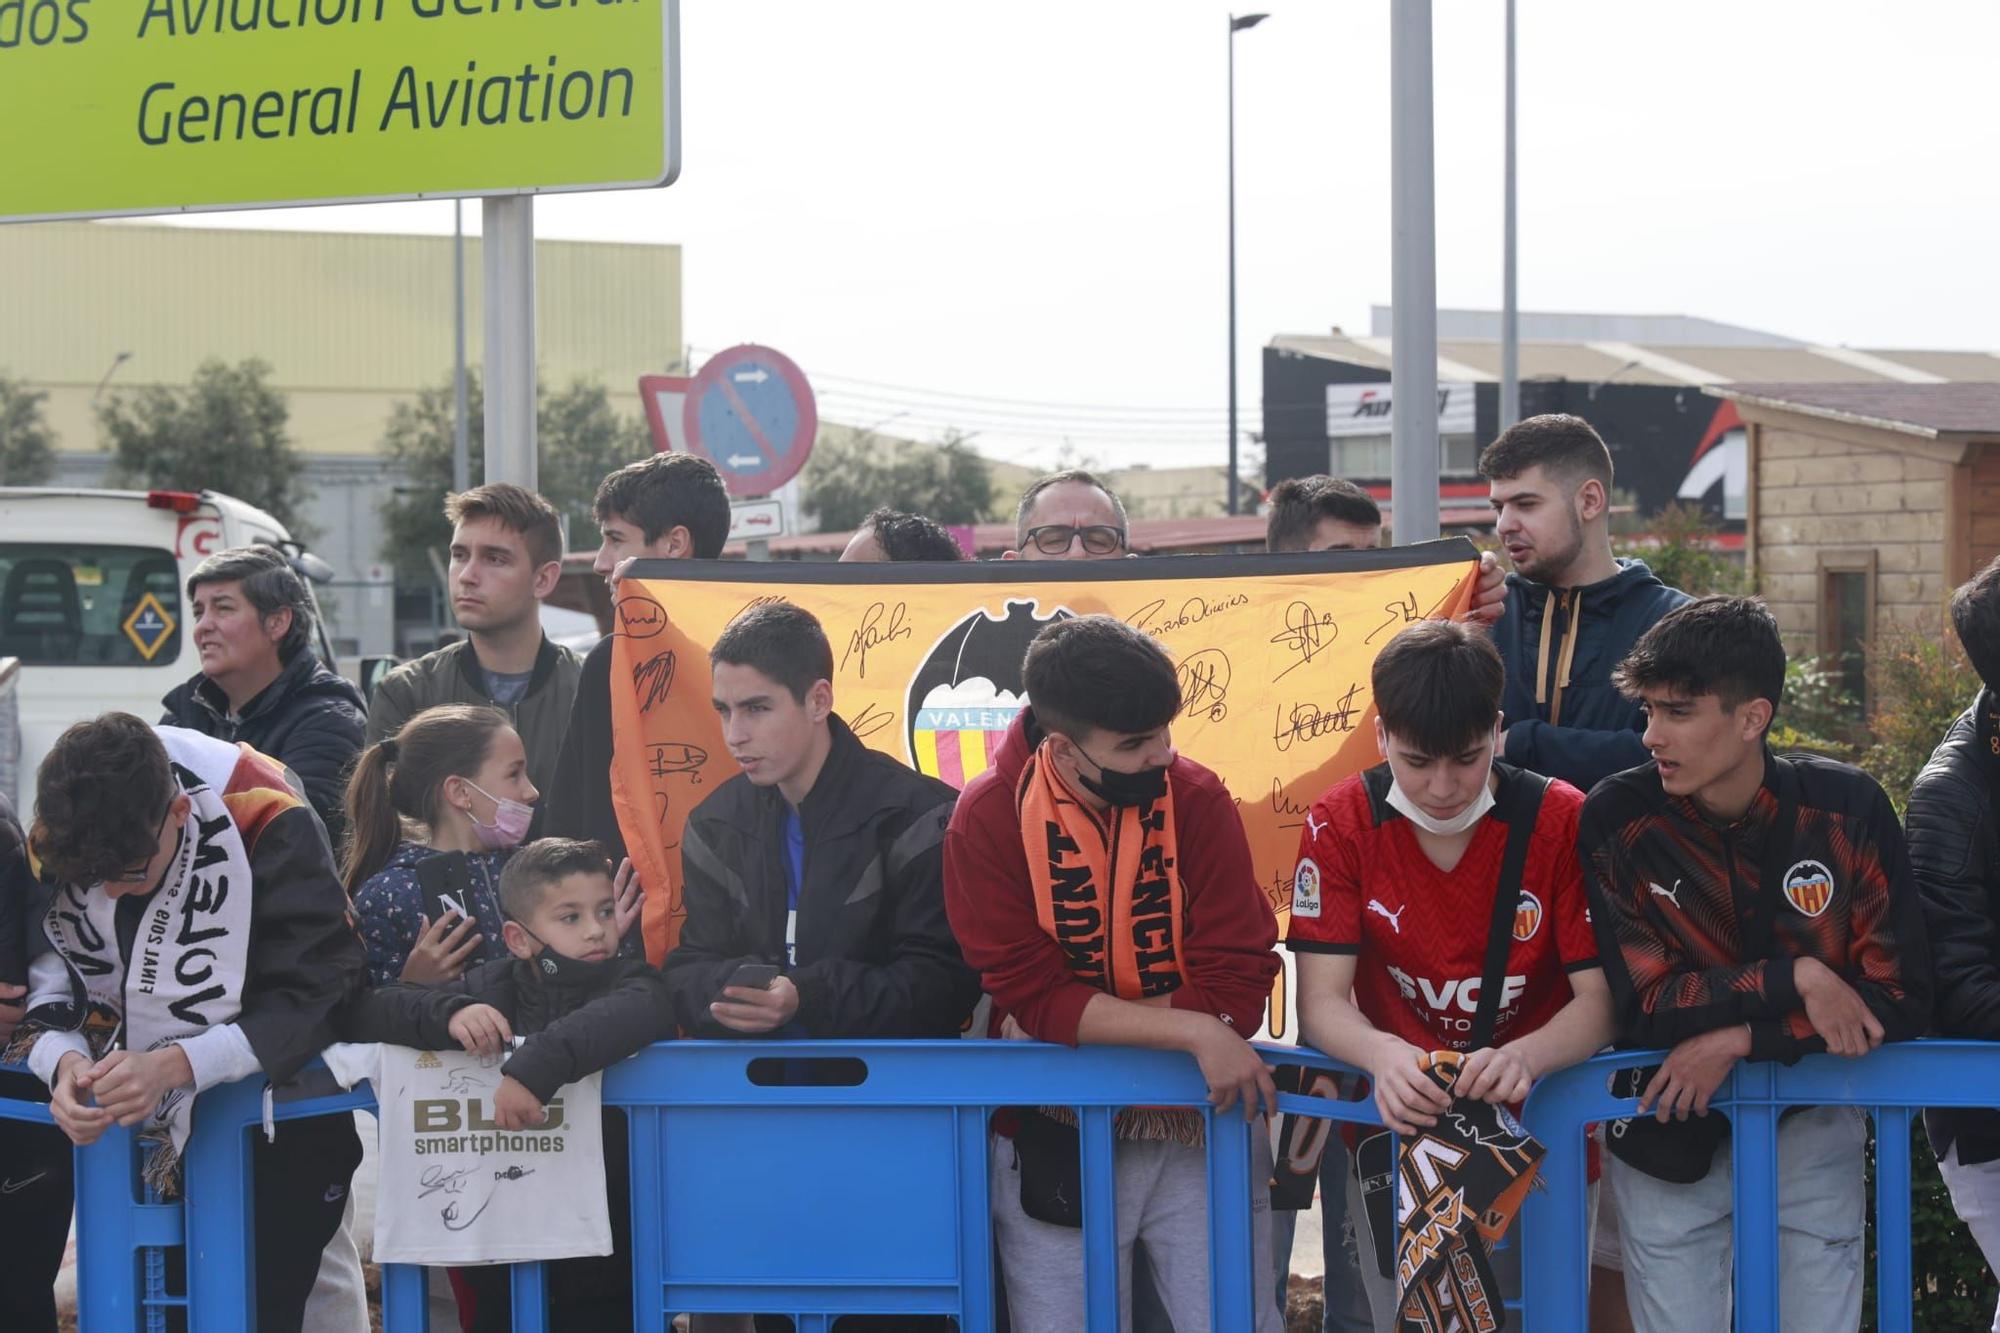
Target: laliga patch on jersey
{"type": "Point", "coordinates": [1305, 888]}
{"type": "Point", "coordinates": [1527, 916]}
{"type": "Point", "coordinates": [1809, 887]}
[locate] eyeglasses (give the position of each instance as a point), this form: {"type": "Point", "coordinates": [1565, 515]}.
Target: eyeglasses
{"type": "Point", "coordinates": [135, 876]}
{"type": "Point", "coordinates": [1055, 538]}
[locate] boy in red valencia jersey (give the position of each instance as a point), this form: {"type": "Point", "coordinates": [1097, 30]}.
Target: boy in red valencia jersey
{"type": "Point", "coordinates": [1365, 888]}
{"type": "Point", "coordinates": [1749, 907]}
{"type": "Point", "coordinates": [1400, 872]}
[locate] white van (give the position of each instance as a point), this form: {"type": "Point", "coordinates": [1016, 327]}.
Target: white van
{"type": "Point", "coordinates": [92, 604]}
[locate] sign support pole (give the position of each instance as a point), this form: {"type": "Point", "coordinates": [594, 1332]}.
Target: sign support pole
{"type": "Point", "coordinates": [508, 255]}
{"type": "Point", "coordinates": [1413, 429]}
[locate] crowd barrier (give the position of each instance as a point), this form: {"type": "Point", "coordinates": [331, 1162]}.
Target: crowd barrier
{"type": "Point", "coordinates": [862, 1187]}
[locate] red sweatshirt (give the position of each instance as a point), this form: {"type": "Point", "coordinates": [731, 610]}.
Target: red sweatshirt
{"type": "Point", "coordinates": [1229, 933]}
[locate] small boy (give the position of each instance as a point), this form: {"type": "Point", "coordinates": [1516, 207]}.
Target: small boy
{"type": "Point", "coordinates": [580, 1008]}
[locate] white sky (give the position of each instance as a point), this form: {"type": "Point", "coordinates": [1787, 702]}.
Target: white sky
{"type": "Point", "coordinates": [1026, 201]}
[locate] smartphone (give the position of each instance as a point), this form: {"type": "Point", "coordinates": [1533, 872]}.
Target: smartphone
{"type": "Point", "coordinates": [756, 976]}
{"type": "Point", "coordinates": [446, 885]}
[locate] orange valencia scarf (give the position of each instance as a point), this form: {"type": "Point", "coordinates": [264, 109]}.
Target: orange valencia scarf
{"type": "Point", "coordinates": [1108, 891]}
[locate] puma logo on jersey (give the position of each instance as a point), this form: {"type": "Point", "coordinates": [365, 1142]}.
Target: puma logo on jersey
{"type": "Point", "coordinates": [1393, 918]}
{"type": "Point", "coordinates": [1672, 895]}
{"type": "Point", "coordinates": [1313, 826]}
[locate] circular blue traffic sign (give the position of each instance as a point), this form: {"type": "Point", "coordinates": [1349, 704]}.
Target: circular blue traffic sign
{"type": "Point", "coordinates": [751, 413]}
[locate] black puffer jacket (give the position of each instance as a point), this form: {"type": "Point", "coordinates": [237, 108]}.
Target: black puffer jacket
{"type": "Point", "coordinates": [1955, 849]}
{"type": "Point", "coordinates": [876, 956]}
{"type": "Point", "coordinates": [308, 719]}
{"type": "Point", "coordinates": [572, 1030]}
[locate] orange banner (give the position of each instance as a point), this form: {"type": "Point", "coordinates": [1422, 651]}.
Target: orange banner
{"type": "Point", "coordinates": [1274, 654]}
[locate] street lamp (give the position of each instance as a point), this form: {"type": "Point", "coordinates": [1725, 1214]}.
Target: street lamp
{"type": "Point", "coordinates": [1236, 24]}
{"type": "Point", "coordinates": [116, 362]}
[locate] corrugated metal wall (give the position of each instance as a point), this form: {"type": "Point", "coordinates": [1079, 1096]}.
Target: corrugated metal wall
{"type": "Point", "coordinates": [327, 310]}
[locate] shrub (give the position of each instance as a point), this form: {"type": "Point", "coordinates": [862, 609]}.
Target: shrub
{"type": "Point", "coordinates": [1918, 683]}
{"type": "Point", "coordinates": [1682, 551]}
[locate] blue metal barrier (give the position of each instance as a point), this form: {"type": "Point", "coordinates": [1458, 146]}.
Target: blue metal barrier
{"type": "Point", "coordinates": [869, 1195]}
{"type": "Point", "coordinates": [810, 1200]}
{"type": "Point", "coordinates": [1892, 1084]}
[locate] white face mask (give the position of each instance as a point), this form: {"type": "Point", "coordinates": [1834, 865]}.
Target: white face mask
{"type": "Point", "coordinates": [1400, 801]}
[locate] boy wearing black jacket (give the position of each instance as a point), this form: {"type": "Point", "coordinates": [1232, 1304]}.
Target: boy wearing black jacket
{"type": "Point", "coordinates": [1954, 825]}
{"type": "Point", "coordinates": [580, 1007]}
{"type": "Point", "coordinates": [1747, 907]}
{"type": "Point", "coordinates": [823, 858]}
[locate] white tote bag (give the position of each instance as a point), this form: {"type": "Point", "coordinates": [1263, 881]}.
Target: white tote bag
{"type": "Point", "coordinates": [456, 1189]}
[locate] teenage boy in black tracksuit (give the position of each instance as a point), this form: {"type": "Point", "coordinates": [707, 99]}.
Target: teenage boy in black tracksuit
{"type": "Point", "coordinates": [1748, 907]}
{"type": "Point", "coordinates": [1954, 827]}
{"type": "Point", "coordinates": [822, 857]}
{"type": "Point", "coordinates": [581, 1008]}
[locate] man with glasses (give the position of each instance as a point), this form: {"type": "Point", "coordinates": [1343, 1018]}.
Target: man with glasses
{"type": "Point", "coordinates": [1068, 515]}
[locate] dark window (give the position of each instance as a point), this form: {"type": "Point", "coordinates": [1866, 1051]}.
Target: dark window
{"type": "Point", "coordinates": [64, 604]}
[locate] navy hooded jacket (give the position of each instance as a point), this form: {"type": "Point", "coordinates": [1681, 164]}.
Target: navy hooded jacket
{"type": "Point", "coordinates": [1564, 717]}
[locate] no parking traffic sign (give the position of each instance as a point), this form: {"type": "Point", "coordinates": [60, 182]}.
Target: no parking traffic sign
{"type": "Point", "coordinates": [751, 413]}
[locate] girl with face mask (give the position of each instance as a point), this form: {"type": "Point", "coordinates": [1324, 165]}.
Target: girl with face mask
{"type": "Point", "coordinates": [452, 782]}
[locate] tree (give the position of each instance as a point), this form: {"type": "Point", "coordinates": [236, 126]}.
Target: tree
{"type": "Point", "coordinates": [848, 477]}
{"type": "Point", "coordinates": [224, 432]}
{"type": "Point", "coordinates": [581, 437]}
{"type": "Point", "coordinates": [27, 445]}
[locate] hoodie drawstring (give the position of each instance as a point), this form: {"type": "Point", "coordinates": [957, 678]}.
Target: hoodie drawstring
{"type": "Point", "coordinates": [1566, 657]}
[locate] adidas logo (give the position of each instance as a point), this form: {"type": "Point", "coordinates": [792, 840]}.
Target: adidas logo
{"type": "Point", "coordinates": [429, 1060]}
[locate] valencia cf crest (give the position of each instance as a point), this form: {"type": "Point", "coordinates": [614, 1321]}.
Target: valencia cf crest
{"type": "Point", "coordinates": [969, 691]}
{"type": "Point", "coordinates": [1809, 887]}
{"type": "Point", "coordinates": [1527, 916]}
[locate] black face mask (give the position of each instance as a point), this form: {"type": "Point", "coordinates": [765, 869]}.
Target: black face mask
{"type": "Point", "coordinates": [1124, 789]}
{"type": "Point", "coordinates": [563, 970]}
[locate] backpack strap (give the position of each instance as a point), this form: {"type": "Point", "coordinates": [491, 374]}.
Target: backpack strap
{"type": "Point", "coordinates": [1521, 801]}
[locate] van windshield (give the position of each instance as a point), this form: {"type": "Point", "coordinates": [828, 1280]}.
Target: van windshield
{"type": "Point", "coordinates": [85, 604]}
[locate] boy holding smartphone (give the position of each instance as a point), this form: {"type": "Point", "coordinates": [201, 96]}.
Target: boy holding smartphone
{"type": "Point", "coordinates": [814, 879]}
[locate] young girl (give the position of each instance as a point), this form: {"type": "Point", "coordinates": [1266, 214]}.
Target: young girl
{"type": "Point", "coordinates": [453, 779]}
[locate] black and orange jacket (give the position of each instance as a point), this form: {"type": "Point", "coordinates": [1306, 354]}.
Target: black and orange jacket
{"type": "Point", "coordinates": [1698, 924]}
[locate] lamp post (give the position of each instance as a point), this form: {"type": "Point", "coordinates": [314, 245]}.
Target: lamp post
{"type": "Point", "coordinates": [116, 362]}
{"type": "Point", "coordinates": [1236, 24]}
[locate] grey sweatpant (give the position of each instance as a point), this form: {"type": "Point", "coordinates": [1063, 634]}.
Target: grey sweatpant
{"type": "Point", "coordinates": [1162, 1196]}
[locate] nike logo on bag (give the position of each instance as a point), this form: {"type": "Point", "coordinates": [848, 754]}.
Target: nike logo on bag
{"type": "Point", "coordinates": [1672, 895]}
{"type": "Point", "coordinates": [334, 1193]}
{"type": "Point", "coordinates": [11, 1185]}
{"type": "Point", "coordinates": [1393, 918]}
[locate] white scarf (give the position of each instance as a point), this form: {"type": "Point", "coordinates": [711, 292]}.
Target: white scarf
{"type": "Point", "coordinates": [193, 942]}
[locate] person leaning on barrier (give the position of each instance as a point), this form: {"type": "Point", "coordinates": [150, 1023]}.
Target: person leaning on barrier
{"type": "Point", "coordinates": [261, 683]}
{"type": "Point", "coordinates": [1402, 872]}
{"type": "Point", "coordinates": [1747, 907]}
{"type": "Point", "coordinates": [667, 507]}
{"type": "Point", "coordinates": [36, 1161]}
{"type": "Point", "coordinates": [577, 1008]}
{"type": "Point", "coordinates": [1087, 817]}
{"type": "Point", "coordinates": [198, 936]}
{"type": "Point", "coordinates": [889, 535]}
{"type": "Point", "coordinates": [822, 859]}
{"type": "Point", "coordinates": [1953, 820]}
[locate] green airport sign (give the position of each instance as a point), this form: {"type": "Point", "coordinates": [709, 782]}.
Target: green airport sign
{"type": "Point", "coordinates": [161, 106]}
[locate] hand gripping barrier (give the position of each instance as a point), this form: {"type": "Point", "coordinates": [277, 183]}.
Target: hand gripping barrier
{"type": "Point", "coordinates": [1892, 1084]}
{"type": "Point", "coordinates": [861, 1190]}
